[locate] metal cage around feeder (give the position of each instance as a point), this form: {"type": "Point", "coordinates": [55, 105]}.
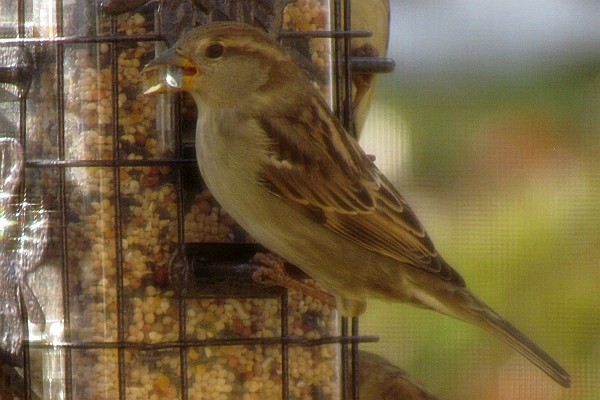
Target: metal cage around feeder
{"type": "Point", "coordinates": [112, 172]}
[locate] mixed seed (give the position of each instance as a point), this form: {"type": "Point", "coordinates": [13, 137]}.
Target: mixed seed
{"type": "Point", "coordinates": [142, 235]}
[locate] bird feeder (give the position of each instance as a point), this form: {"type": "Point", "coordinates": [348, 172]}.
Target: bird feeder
{"type": "Point", "coordinates": [127, 279]}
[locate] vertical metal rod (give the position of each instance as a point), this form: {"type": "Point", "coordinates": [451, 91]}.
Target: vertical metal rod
{"type": "Point", "coordinates": [355, 361]}
{"type": "Point", "coordinates": [338, 71]}
{"type": "Point", "coordinates": [26, 358]}
{"type": "Point", "coordinates": [176, 130]}
{"type": "Point", "coordinates": [347, 76]}
{"type": "Point", "coordinates": [22, 140]}
{"type": "Point", "coordinates": [349, 124]}
{"type": "Point", "coordinates": [118, 227]}
{"type": "Point", "coordinates": [22, 110]}
{"type": "Point", "coordinates": [21, 18]}
{"type": "Point", "coordinates": [343, 107]}
{"type": "Point", "coordinates": [183, 351]}
{"type": "Point", "coordinates": [60, 131]}
{"type": "Point", "coordinates": [285, 361]}
{"type": "Point", "coordinates": [345, 360]}
{"type": "Point", "coordinates": [23, 97]}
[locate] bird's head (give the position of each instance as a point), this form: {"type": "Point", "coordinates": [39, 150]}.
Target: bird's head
{"type": "Point", "coordinates": [220, 64]}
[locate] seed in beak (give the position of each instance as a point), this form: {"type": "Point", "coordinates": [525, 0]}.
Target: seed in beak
{"type": "Point", "coordinates": [174, 77]}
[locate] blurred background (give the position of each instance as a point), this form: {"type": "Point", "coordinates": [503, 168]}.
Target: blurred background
{"type": "Point", "coordinates": [490, 128]}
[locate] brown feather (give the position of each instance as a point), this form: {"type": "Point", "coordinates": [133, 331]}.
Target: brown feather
{"type": "Point", "coordinates": [329, 178]}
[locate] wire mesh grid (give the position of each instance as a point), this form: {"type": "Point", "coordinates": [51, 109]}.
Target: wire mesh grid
{"type": "Point", "coordinates": [117, 167]}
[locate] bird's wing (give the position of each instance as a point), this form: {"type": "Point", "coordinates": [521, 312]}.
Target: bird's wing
{"type": "Point", "coordinates": [318, 168]}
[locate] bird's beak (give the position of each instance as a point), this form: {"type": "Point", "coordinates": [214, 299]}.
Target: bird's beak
{"type": "Point", "coordinates": [169, 72]}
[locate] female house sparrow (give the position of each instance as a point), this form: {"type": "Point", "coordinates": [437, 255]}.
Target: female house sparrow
{"type": "Point", "coordinates": [379, 379]}
{"type": "Point", "coordinates": [282, 165]}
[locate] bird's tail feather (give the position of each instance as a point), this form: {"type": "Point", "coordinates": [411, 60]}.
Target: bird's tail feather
{"type": "Point", "coordinates": [486, 318]}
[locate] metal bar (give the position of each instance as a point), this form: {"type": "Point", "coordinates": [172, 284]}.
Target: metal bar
{"type": "Point", "coordinates": [337, 61]}
{"type": "Point", "coordinates": [60, 131]}
{"type": "Point", "coordinates": [154, 37]}
{"type": "Point", "coordinates": [117, 207]}
{"type": "Point", "coordinates": [21, 18]}
{"type": "Point", "coordinates": [285, 362]}
{"type": "Point", "coordinates": [338, 83]}
{"type": "Point", "coordinates": [81, 40]}
{"type": "Point", "coordinates": [178, 163]}
{"type": "Point", "coordinates": [113, 38]}
{"type": "Point", "coordinates": [176, 128]}
{"type": "Point", "coordinates": [341, 33]}
{"type": "Point", "coordinates": [23, 97]}
{"type": "Point", "coordinates": [355, 361]}
{"type": "Point", "coordinates": [343, 339]}
{"type": "Point", "coordinates": [348, 119]}
{"type": "Point", "coordinates": [183, 354]}
{"type": "Point", "coordinates": [27, 392]}
{"type": "Point", "coordinates": [359, 64]}
{"type": "Point", "coordinates": [345, 360]}
{"type": "Point", "coordinates": [110, 163]}
{"type": "Point", "coordinates": [373, 65]}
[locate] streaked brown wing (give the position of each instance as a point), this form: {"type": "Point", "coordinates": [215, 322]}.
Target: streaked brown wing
{"type": "Point", "coordinates": [327, 175]}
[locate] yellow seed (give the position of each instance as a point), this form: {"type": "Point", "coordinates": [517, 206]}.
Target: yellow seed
{"type": "Point", "coordinates": [162, 382]}
{"type": "Point", "coordinates": [200, 369]}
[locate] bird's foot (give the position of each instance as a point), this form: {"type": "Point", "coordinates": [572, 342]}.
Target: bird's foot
{"type": "Point", "coordinates": [366, 50]}
{"type": "Point", "coordinates": [273, 273]}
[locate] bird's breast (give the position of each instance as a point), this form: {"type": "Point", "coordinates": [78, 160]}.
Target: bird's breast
{"type": "Point", "coordinates": [230, 156]}
{"type": "Point", "coordinates": [229, 150]}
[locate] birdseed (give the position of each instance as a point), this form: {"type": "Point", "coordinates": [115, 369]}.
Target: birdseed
{"type": "Point", "coordinates": [148, 225]}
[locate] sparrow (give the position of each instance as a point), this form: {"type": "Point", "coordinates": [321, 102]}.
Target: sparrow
{"type": "Point", "coordinates": [282, 165]}
{"type": "Point", "coordinates": [379, 379]}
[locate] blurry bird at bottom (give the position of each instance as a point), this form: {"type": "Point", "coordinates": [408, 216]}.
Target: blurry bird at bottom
{"type": "Point", "coordinates": [282, 165]}
{"type": "Point", "coordinates": [381, 380]}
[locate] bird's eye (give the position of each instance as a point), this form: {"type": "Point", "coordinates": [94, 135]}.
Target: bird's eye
{"type": "Point", "coordinates": [214, 50]}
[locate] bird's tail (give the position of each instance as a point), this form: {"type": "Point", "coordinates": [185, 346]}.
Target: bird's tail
{"type": "Point", "coordinates": [480, 314]}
